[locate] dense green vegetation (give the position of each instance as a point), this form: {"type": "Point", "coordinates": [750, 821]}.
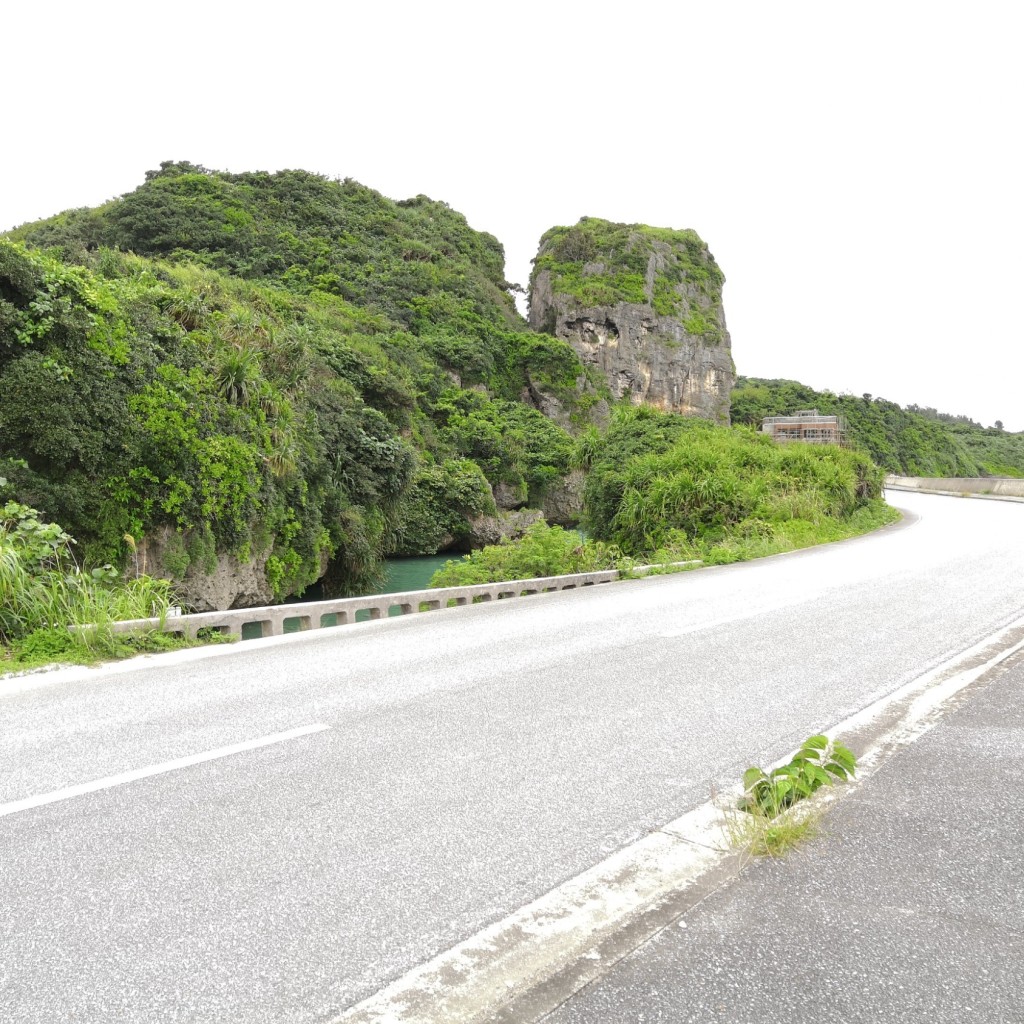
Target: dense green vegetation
{"type": "Point", "coordinates": [911, 441]}
{"type": "Point", "coordinates": [996, 452]}
{"type": "Point", "coordinates": [271, 363]}
{"type": "Point", "coordinates": [599, 263]}
{"type": "Point", "coordinates": [302, 370]}
{"type": "Point", "coordinates": [43, 591]}
{"type": "Point", "coordinates": [664, 488]}
{"type": "Point", "coordinates": [543, 551]}
{"type": "Point", "coordinates": [667, 487]}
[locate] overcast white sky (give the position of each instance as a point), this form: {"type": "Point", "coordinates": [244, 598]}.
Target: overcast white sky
{"type": "Point", "coordinates": [856, 169]}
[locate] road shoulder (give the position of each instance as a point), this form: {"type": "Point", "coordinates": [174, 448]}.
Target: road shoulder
{"type": "Point", "coordinates": [909, 908]}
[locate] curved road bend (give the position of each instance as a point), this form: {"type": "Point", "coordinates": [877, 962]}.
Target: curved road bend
{"type": "Point", "coordinates": [472, 760]}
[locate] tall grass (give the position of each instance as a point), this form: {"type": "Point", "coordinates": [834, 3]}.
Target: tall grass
{"type": "Point", "coordinates": [74, 608]}
{"type": "Point", "coordinates": [14, 590]}
{"type": "Point", "coordinates": [657, 481]}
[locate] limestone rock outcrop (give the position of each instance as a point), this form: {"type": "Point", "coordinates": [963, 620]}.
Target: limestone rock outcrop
{"type": "Point", "coordinates": [644, 307]}
{"type": "Point", "coordinates": [204, 579]}
{"type": "Point", "coordinates": [485, 530]}
{"type": "Point", "coordinates": [563, 500]}
{"type": "Point", "coordinates": [216, 582]}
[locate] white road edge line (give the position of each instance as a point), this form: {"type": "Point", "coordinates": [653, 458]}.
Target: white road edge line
{"type": "Point", "coordinates": [472, 981]}
{"type": "Point", "coordinates": [155, 769]}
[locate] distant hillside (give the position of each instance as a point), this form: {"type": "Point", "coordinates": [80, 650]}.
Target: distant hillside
{"type": "Point", "coordinates": [998, 453]}
{"type": "Point", "coordinates": [911, 441]}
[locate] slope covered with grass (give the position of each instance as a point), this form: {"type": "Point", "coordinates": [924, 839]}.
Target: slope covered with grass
{"type": "Point", "coordinates": [665, 487]}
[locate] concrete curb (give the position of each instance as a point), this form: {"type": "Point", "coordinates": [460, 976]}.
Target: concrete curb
{"type": "Point", "coordinates": [308, 615]}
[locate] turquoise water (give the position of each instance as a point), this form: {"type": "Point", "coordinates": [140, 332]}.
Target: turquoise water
{"type": "Point", "coordinates": [411, 573]}
{"type": "Point", "coordinates": [401, 574]}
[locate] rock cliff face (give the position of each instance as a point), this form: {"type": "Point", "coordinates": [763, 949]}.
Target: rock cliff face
{"type": "Point", "coordinates": [223, 582]}
{"type": "Point", "coordinates": [209, 580]}
{"type": "Point", "coordinates": [644, 307]}
{"type": "Point", "coordinates": [504, 526]}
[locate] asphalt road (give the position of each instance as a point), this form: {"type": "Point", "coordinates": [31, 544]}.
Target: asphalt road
{"type": "Point", "coordinates": [471, 760]}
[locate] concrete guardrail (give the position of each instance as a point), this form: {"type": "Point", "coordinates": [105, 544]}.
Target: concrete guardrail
{"type": "Point", "coordinates": [274, 620]}
{"type": "Point", "coordinates": [271, 620]}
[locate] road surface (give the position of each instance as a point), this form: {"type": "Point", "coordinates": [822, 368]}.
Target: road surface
{"type": "Point", "coordinates": [272, 832]}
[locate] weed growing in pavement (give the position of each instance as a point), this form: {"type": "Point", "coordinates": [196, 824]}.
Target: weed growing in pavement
{"type": "Point", "coordinates": [817, 763]}
{"type": "Point", "coordinates": [767, 820]}
{"type": "Point", "coordinates": [763, 836]}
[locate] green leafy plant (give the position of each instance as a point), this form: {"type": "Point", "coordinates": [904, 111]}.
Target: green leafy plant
{"type": "Point", "coordinates": [819, 762]}
{"type": "Point", "coordinates": [771, 819]}
{"type": "Point", "coordinates": [542, 551]}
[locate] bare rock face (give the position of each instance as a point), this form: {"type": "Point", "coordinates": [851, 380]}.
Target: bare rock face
{"type": "Point", "coordinates": [504, 526]}
{"type": "Point", "coordinates": [204, 581]}
{"type": "Point", "coordinates": [509, 496]}
{"type": "Point", "coordinates": [232, 584]}
{"type": "Point", "coordinates": [536, 394]}
{"type": "Point", "coordinates": [563, 500]}
{"type": "Point", "coordinates": [641, 305]}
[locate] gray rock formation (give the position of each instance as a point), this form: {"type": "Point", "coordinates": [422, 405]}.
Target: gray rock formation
{"type": "Point", "coordinates": [679, 359]}
{"type": "Point", "coordinates": [224, 582]}
{"type": "Point", "coordinates": [535, 394]}
{"type": "Point", "coordinates": [504, 526]}
{"type": "Point", "coordinates": [563, 500]}
{"type": "Point", "coordinates": [509, 496]}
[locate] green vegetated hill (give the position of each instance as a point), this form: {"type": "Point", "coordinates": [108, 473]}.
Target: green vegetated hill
{"type": "Point", "coordinates": [911, 441]}
{"type": "Point", "coordinates": [996, 451]}
{"type": "Point", "coordinates": [659, 482]}
{"type": "Point", "coordinates": [295, 371]}
{"type": "Point", "coordinates": [278, 378]}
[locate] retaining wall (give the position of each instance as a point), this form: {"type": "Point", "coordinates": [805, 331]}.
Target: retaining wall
{"type": "Point", "coordinates": [998, 486]}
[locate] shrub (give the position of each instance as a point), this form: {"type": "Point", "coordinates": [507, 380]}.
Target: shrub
{"type": "Point", "coordinates": [543, 551]}
{"type": "Point", "coordinates": [657, 479]}
{"type": "Point", "coordinates": [439, 504]}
